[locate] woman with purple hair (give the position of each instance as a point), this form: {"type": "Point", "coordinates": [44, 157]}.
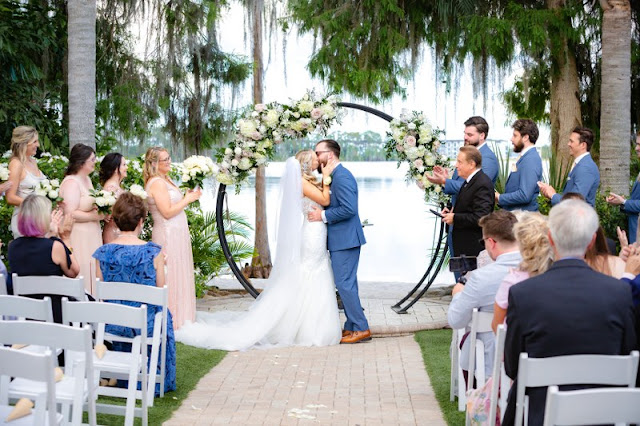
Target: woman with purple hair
{"type": "Point", "coordinates": [35, 253]}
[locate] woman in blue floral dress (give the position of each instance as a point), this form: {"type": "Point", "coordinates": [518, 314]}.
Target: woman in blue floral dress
{"type": "Point", "coordinates": [132, 260]}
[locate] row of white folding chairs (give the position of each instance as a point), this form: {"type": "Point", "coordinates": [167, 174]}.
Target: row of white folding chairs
{"type": "Point", "coordinates": [36, 367]}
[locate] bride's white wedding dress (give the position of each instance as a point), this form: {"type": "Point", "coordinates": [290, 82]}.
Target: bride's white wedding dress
{"type": "Point", "coordinates": [298, 304]}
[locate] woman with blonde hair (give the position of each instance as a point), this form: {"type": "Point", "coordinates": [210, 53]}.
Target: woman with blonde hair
{"type": "Point", "coordinates": [298, 305]}
{"type": "Point", "coordinates": [24, 174]}
{"type": "Point", "coordinates": [531, 232]}
{"type": "Point", "coordinates": [171, 232]}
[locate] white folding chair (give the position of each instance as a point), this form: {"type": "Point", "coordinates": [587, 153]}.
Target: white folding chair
{"type": "Point", "coordinates": [500, 385]}
{"type": "Point", "coordinates": [116, 364]}
{"type": "Point", "coordinates": [592, 406]}
{"type": "Point", "coordinates": [457, 389]}
{"type": "Point", "coordinates": [480, 323]}
{"type": "Point", "coordinates": [3, 285]}
{"type": "Point", "coordinates": [617, 370]}
{"type": "Point", "coordinates": [26, 308]}
{"type": "Point", "coordinates": [51, 284]}
{"type": "Point", "coordinates": [38, 367]}
{"type": "Point", "coordinates": [150, 296]}
{"type": "Point", "coordinates": [78, 386]}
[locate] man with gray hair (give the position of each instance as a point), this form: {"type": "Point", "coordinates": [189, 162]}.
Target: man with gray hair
{"type": "Point", "coordinates": [569, 310]}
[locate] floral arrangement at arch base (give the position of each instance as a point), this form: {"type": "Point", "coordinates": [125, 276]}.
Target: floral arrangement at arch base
{"type": "Point", "coordinates": [413, 140]}
{"type": "Point", "coordinates": [268, 125]}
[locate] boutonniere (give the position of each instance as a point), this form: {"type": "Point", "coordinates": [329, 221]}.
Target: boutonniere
{"type": "Point", "coordinates": [514, 167]}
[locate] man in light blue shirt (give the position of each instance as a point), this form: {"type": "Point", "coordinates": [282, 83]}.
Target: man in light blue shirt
{"type": "Point", "coordinates": [482, 284]}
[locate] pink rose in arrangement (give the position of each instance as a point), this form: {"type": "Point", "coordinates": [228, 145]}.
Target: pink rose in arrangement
{"type": "Point", "coordinates": [418, 164]}
{"type": "Point", "coordinates": [399, 148]}
{"type": "Point", "coordinates": [316, 113]}
{"type": "Point", "coordinates": [420, 184]}
{"type": "Point", "coordinates": [259, 107]}
{"type": "Point", "coordinates": [410, 140]}
{"type": "Point", "coordinates": [256, 136]}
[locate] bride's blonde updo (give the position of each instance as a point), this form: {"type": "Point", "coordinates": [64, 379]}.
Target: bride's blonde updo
{"type": "Point", "coordinates": [305, 158]}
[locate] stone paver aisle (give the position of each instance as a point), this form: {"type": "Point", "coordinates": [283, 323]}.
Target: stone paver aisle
{"type": "Point", "coordinates": [379, 382]}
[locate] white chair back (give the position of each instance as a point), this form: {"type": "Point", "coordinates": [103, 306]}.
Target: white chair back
{"type": "Point", "coordinates": [151, 296]}
{"type": "Point", "coordinates": [52, 284]}
{"type": "Point", "coordinates": [499, 382]}
{"type": "Point", "coordinates": [480, 323]}
{"type": "Point", "coordinates": [592, 406]}
{"type": "Point", "coordinates": [3, 285]}
{"type": "Point", "coordinates": [26, 308]}
{"type": "Point", "coordinates": [132, 364]}
{"type": "Point", "coordinates": [617, 370]}
{"type": "Point", "coordinates": [78, 347]}
{"type": "Point", "coordinates": [37, 367]}
{"type": "Point", "coordinates": [457, 389]}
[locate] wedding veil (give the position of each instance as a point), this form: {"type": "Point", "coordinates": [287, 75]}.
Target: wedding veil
{"type": "Point", "coordinates": [289, 221]}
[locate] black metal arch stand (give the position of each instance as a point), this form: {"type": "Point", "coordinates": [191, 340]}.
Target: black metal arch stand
{"type": "Point", "coordinates": [429, 276]}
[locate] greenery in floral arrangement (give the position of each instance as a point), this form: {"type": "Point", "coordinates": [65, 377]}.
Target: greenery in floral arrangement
{"type": "Point", "coordinates": [413, 140]}
{"type": "Point", "coordinates": [208, 257]}
{"type": "Point", "coordinates": [504, 158]}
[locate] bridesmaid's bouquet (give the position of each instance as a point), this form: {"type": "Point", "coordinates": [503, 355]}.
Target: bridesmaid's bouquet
{"type": "Point", "coordinates": [138, 191]}
{"type": "Point", "coordinates": [4, 172]}
{"type": "Point", "coordinates": [49, 188]}
{"type": "Point", "coordinates": [103, 200]}
{"type": "Point", "coordinates": [196, 169]}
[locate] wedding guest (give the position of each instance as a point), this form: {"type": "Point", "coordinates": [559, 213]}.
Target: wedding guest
{"type": "Point", "coordinates": [631, 205]}
{"type": "Point", "coordinates": [24, 174]}
{"type": "Point", "coordinates": [129, 259]}
{"type": "Point", "coordinates": [584, 176]}
{"type": "Point", "coordinates": [521, 190]}
{"type": "Point", "coordinates": [35, 254]}
{"type": "Point", "coordinates": [531, 234]}
{"type": "Point", "coordinates": [171, 232]}
{"type": "Point", "coordinates": [601, 260]}
{"type": "Point", "coordinates": [113, 170]}
{"type": "Point", "coordinates": [75, 190]}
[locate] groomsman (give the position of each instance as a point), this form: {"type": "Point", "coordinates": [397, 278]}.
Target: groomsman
{"type": "Point", "coordinates": [521, 190]}
{"type": "Point", "coordinates": [630, 206]}
{"type": "Point", "coordinates": [584, 176]}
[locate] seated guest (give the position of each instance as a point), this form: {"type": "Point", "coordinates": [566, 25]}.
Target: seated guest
{"type": "Point", "coordinates": [482, 284]}
{"type": "Point", "coordinates": [531, 234]}
{"type": "Point", "coordinates": [601, 260]}
{"type": "Point", "coordinates": [36, 254]}
{"type": "Point", "coordinates": [131, 260]}
{"type": "Point", "coordinates": [570, 309]}
{"type": "Point", "coordinates": [610, 244]}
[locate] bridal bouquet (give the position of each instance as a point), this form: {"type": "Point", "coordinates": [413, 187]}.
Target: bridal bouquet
{"type": "Point", "coordinates": [103, 200]}
{"type": "Point", "coordinates": [413, 140]}
{"type": "Point", "coordinates": [4, 172]}
{"type": "Point", "coordinates": [196, 169]}
{"type": "Point", "coordinates": [49, 188]}
{"type": "Point", "coordinates": [138, 191]}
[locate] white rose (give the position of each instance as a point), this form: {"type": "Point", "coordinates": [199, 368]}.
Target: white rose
{"type": "Point", "coordinates": [40, 191]}
{"type": "Point", "coordinates": [247, 127]}
{"type": "Point", "coordinates": [411, 126]}
{"type": "Point", "coordinates": [186, 178]}
{"type": "Point", "coordinates": [271, 118]}
{"type": "Point", "coordinates": [412, 153]}
{"type": "Point", "coordinates": [234, 162]}
{"type": "Point", "coordinates": [53, 194]}
{"type": "Point", "coordinates": [224, 179]}
{"type": "Point", "coordinates": [238, 151]}
{"type": "Point", "coordinates": [55, 182]}
{"type": "Point", "coordinates": [245, 164]}
{"type": "Point", "coordinates": [228, 151]}
{"type": "Point", "coordinates": [305, 106]}
{"type": "Point", "coordinates": [100, 201]}
{"type": "Point", "coordinates": [328, 111]}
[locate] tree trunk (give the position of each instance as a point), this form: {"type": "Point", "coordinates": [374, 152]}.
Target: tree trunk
{"type": "Point", "coordinates": [261, 263]}
{"type": "Point", "coordinates": [564, 111]}
{"type": "Point", "coordinates": [82, 72]}
{"type": "Point", "coordinates": [615, 117]}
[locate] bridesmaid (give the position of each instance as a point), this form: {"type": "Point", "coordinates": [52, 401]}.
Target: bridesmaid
{"type": "Point", "coordinates": [86, 235]}
{"type": "Point", "coordinates": [24, 174]}
{"type": "Point", "coordinates": [171, 232]}
{"type": "Point", "coordinates": [113, 170]}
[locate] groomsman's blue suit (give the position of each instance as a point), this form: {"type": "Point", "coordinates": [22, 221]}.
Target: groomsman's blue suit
{"type": "Point", "coordinates": [632, 207]}
{"type": "Point", "coordinates": [521, 190]}
{"type": "Point", "coordinates": [583, 179]}
{"type": "Point", "coordinates": [344, 238]}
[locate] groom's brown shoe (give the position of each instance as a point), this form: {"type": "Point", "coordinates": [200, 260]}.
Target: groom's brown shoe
{"type": "Point", "coordinates": [346, 333]}
{"type": "Point", "coordinates": [357, 336]}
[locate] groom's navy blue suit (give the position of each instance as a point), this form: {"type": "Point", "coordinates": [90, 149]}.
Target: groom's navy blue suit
{"type": "Point", "coordinates": [344, 238]}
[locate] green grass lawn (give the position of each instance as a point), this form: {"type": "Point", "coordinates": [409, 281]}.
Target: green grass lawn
{"type": "Point", "coordinates": [434, 345]}
{"type": "Point", "coordinates": [192, 364]}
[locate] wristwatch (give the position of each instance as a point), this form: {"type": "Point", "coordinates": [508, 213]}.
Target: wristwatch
{"type": "Point", "coordinates": [327, 180]}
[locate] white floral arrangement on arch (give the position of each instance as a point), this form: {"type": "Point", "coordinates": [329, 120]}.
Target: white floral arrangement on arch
{"type": "Point", "coordinates": [138, 191]}
{"type": "Point", "coordinates": [49, 188]}
{"type": "Point", "coordinates": [103, 200]}
{"type": "Point", "coordinates": [196, 169]}
{"type": "Point", "coordinates": [413, 140]}
{"type": "Point", "coordinates": [268, 125]}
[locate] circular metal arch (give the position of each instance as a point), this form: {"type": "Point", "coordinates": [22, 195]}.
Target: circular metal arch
{"type": "Point", "coordinates": [225, 246]}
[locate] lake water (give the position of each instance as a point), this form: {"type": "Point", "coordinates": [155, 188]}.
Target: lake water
{"type": "Point", "coordinates": [401, 238]}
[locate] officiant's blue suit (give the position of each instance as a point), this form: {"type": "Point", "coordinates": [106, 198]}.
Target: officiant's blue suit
{"type": "Point", "coordinates": [521, 190]}
{"type": "Point", "coordinates": [583, 179]}
{"type": "Point", "coordinates": [344, 238]}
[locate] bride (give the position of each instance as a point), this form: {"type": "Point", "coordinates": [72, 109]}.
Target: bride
{"type": "Point", "coordinates": [298, 305]}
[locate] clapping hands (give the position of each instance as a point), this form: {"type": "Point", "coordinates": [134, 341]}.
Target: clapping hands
{"type": "Point", "coordinates": [438, 176]}
{"type": "Point", "coordinates": [546, 189]}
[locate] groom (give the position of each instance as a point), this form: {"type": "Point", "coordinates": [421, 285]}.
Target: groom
{"type": "Point", "coordinates": [344, 238]}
